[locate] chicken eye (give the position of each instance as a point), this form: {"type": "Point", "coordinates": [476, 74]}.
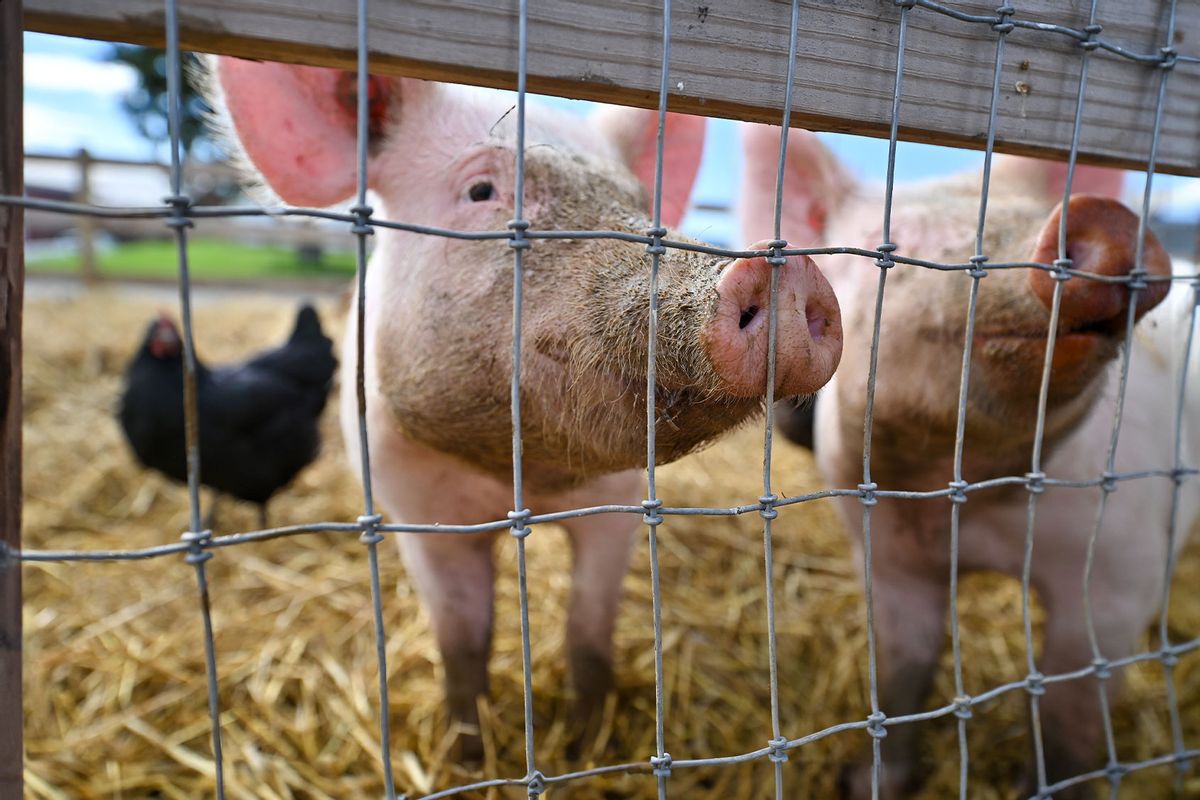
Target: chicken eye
{"type": "Point", "coordinates": [482, 192]}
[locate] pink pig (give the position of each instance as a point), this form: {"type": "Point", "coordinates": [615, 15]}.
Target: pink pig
{"type": "Point", "coordinates": [915, 414]}
{"type": "Point", "coordinates": [438, 329]}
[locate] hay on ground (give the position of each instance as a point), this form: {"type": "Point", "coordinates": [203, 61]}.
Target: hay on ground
{"type": "Point", "coordinates": [115, 692]}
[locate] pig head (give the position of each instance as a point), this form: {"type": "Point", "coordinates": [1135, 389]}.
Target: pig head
{"type": "Point", "coordinates": [921, 344]}
{"type": "Point", "coordinates": [438, 323]}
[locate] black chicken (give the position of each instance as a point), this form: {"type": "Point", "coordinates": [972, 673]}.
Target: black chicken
{"type": "Point", "coordinates": [258, 420]}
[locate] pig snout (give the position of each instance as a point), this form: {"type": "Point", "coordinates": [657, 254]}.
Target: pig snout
{"type": "Point", "coordinates": [808, 332]}
{"type": "Point", "coordinates": [1101, 240]}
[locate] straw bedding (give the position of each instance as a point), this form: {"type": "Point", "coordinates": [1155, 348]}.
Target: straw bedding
{"type": "Point", "coordinates": [115, 692]}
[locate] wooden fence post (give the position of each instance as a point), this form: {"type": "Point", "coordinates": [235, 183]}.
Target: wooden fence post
{"type": "Point", "coordinates": [12, 280]}
{"type": "Point", "coordinates": [86, 226]}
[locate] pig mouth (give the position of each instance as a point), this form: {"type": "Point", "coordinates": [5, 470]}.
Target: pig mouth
{"type": "Point", "coordinates": [1112, 328]}
{"type": "Point", "coordinates": [1077, 343]}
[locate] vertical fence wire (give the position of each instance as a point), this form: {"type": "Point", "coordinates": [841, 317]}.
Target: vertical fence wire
{"type": "Point", "coordinates": [1137, 283]}
{"type": "Point", "coordinates": [519, 516]}
{"type": "Point", "coordinates": [1167, 655]}
{"type": "Point", "coordinates": [195, 536]}
{"type": "Point", "coordinates": [867, 488]}
{"type": "Point", "coordinates": [962, 700]}
{"type": "Point", "coordinates": [661, 761]}
{"type": "Point", "coordinates": [370, 519]}
{"type": "Point", "coordinates": [768, 512]}
{"type": "Point", "coordinates": [1168, 658]}
{"type": "Point", "coordinates": [1035, 479]}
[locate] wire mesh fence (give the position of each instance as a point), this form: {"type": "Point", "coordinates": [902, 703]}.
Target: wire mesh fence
{"type": "Point", "coordinates": [198, 546]}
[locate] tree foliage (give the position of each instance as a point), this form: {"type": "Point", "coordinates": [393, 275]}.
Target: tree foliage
{"type": "Point", "coordinates": [146, 105]}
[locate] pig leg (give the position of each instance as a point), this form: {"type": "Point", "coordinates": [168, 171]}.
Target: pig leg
{"type": "Point", "coordinates": [1069, 712]}
{"type": "Point", "coordinates": [910, 611]}
{"type": "Point", "coordinates": [453, 574]}
{"type": "Point", "coordinates": [602, 545]}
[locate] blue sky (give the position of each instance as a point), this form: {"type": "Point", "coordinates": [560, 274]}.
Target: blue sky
{"type": "Point", "coordinates": [72, 101]}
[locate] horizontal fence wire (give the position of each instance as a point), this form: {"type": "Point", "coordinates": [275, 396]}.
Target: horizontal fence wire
{"type": "Point", "coordinates": [197, 546]}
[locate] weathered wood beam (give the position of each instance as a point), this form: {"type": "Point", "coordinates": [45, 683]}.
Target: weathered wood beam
{"type": "Point", "coordinates": [729, 60]}
{"type": "Point", "coordinates": [12, 281]}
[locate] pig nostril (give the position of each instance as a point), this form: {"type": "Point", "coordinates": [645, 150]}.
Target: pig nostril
{"type": "Point", "coordinates": [747, 317]}
{"type": "Point", "coordinates": [817, 320]}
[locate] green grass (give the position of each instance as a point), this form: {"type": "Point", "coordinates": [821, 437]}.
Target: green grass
{"type": "Point", "coordinates": [207, 258]}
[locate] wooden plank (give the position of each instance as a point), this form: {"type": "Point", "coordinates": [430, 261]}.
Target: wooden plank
{"type": "Point", "coordinates": [729, 60]}
{"type": "Point", "coordinates": [219, 169]}
{"type": "Point", "coordinates": [12, 281]}
{"type": "Point", "coordinates": [85, 226]}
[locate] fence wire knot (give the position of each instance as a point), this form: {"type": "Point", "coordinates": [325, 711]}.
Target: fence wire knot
{"type": "Point", "coordinates": [875, 725]}
{"type": "Point", "coordinates": [1137, 279]}
{"type": "Point", "coordinates": [1061, 267]}
{"type": "Point", "coordinates": [196, 541]}
{"type": "Point", "coordinates": [1116, 771]}
{"type": "Point", "coordinates": [661, 765]}
{"type": "Point", "coordinates": [518, 227]}
{"type": "Point", "coordinates": [866, 492]}
{"type": "Point", "coordinates": [1168, 657]}
{"type": "Point", "coordinates": [180, 204]}
{"type": "Point", "coordinates": [652, 517]}
{"type": "Point", "coordinates": [1092, 32]}
{"type": "Point", "coordinates": [1108, 482]}
{"type": "Point", "coordinates": [535, 783]}
{"type": "Point", "coordinates": [362, 221]}
{"type": "Point", "coordinates": [1103, 668]}
{"type": "Point", "coordinates": [778, 750]}
{"type": "Point", "coordinates": [977, 270]}
{"type": "Point", "coordinates": [1003, 24]}
{"type": "Point", "coordinates": [958, 492]}
{"type": "Point", "coordinates": [962, 706]}
{"type": "Point", "coordinates": [1034, 684]}
{"type": "Point", "coordinates": [768, 510]}
{"type": "Point", "coordinates": [776, 258]}
{"type": "Point", "coordinates": [370, 528]}
{"type": "Point", "coordinates": [885, 261]}
{"type": "Point", "coordinates": [656, 247]}
{"type": "Point", "coordinates": [1035, 482]}
{"type": "Point", "coordinates": [1169, 57]}
{"type": "Point", "coordinates": [519, 519]}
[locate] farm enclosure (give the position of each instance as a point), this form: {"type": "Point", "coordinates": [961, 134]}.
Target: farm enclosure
{"type": "Point", "coordinates": [1174, 156]}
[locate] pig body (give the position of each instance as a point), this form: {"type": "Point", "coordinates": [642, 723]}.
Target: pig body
{"type": "Point", "coordinates": [438, 323]}
{"type": "Point", "coordinates": [921, 342]}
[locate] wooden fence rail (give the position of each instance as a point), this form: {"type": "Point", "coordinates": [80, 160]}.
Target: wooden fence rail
{"type": "Point", "coordinates": [290, 233]}
{"type": "Point", "coordinates": [729, 59]}
{"type": "Point", "coordinates": [12, 288]}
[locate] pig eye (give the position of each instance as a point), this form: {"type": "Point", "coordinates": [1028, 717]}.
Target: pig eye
{"type": "Point", "coordinates": [482, 192]}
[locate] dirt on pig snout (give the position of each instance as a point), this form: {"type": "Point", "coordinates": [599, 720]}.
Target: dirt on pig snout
{"type": "Point", "coordinates": [115, 690]}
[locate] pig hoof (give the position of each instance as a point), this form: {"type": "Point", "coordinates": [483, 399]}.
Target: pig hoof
{"type": "Point", "coordinates": [468, 749]}
{"type": "Point", "coordinates": [594, 731]}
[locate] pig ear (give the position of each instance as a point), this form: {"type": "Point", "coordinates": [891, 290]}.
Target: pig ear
{"type": "Point", "coordinates": [635, 132]}
{"type": "Point", "coordinates": [298, 124]}
{"type": "Point", "coordinates": [814, 184]}
{"type": "Point", "coordinates": [1048, 179]}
